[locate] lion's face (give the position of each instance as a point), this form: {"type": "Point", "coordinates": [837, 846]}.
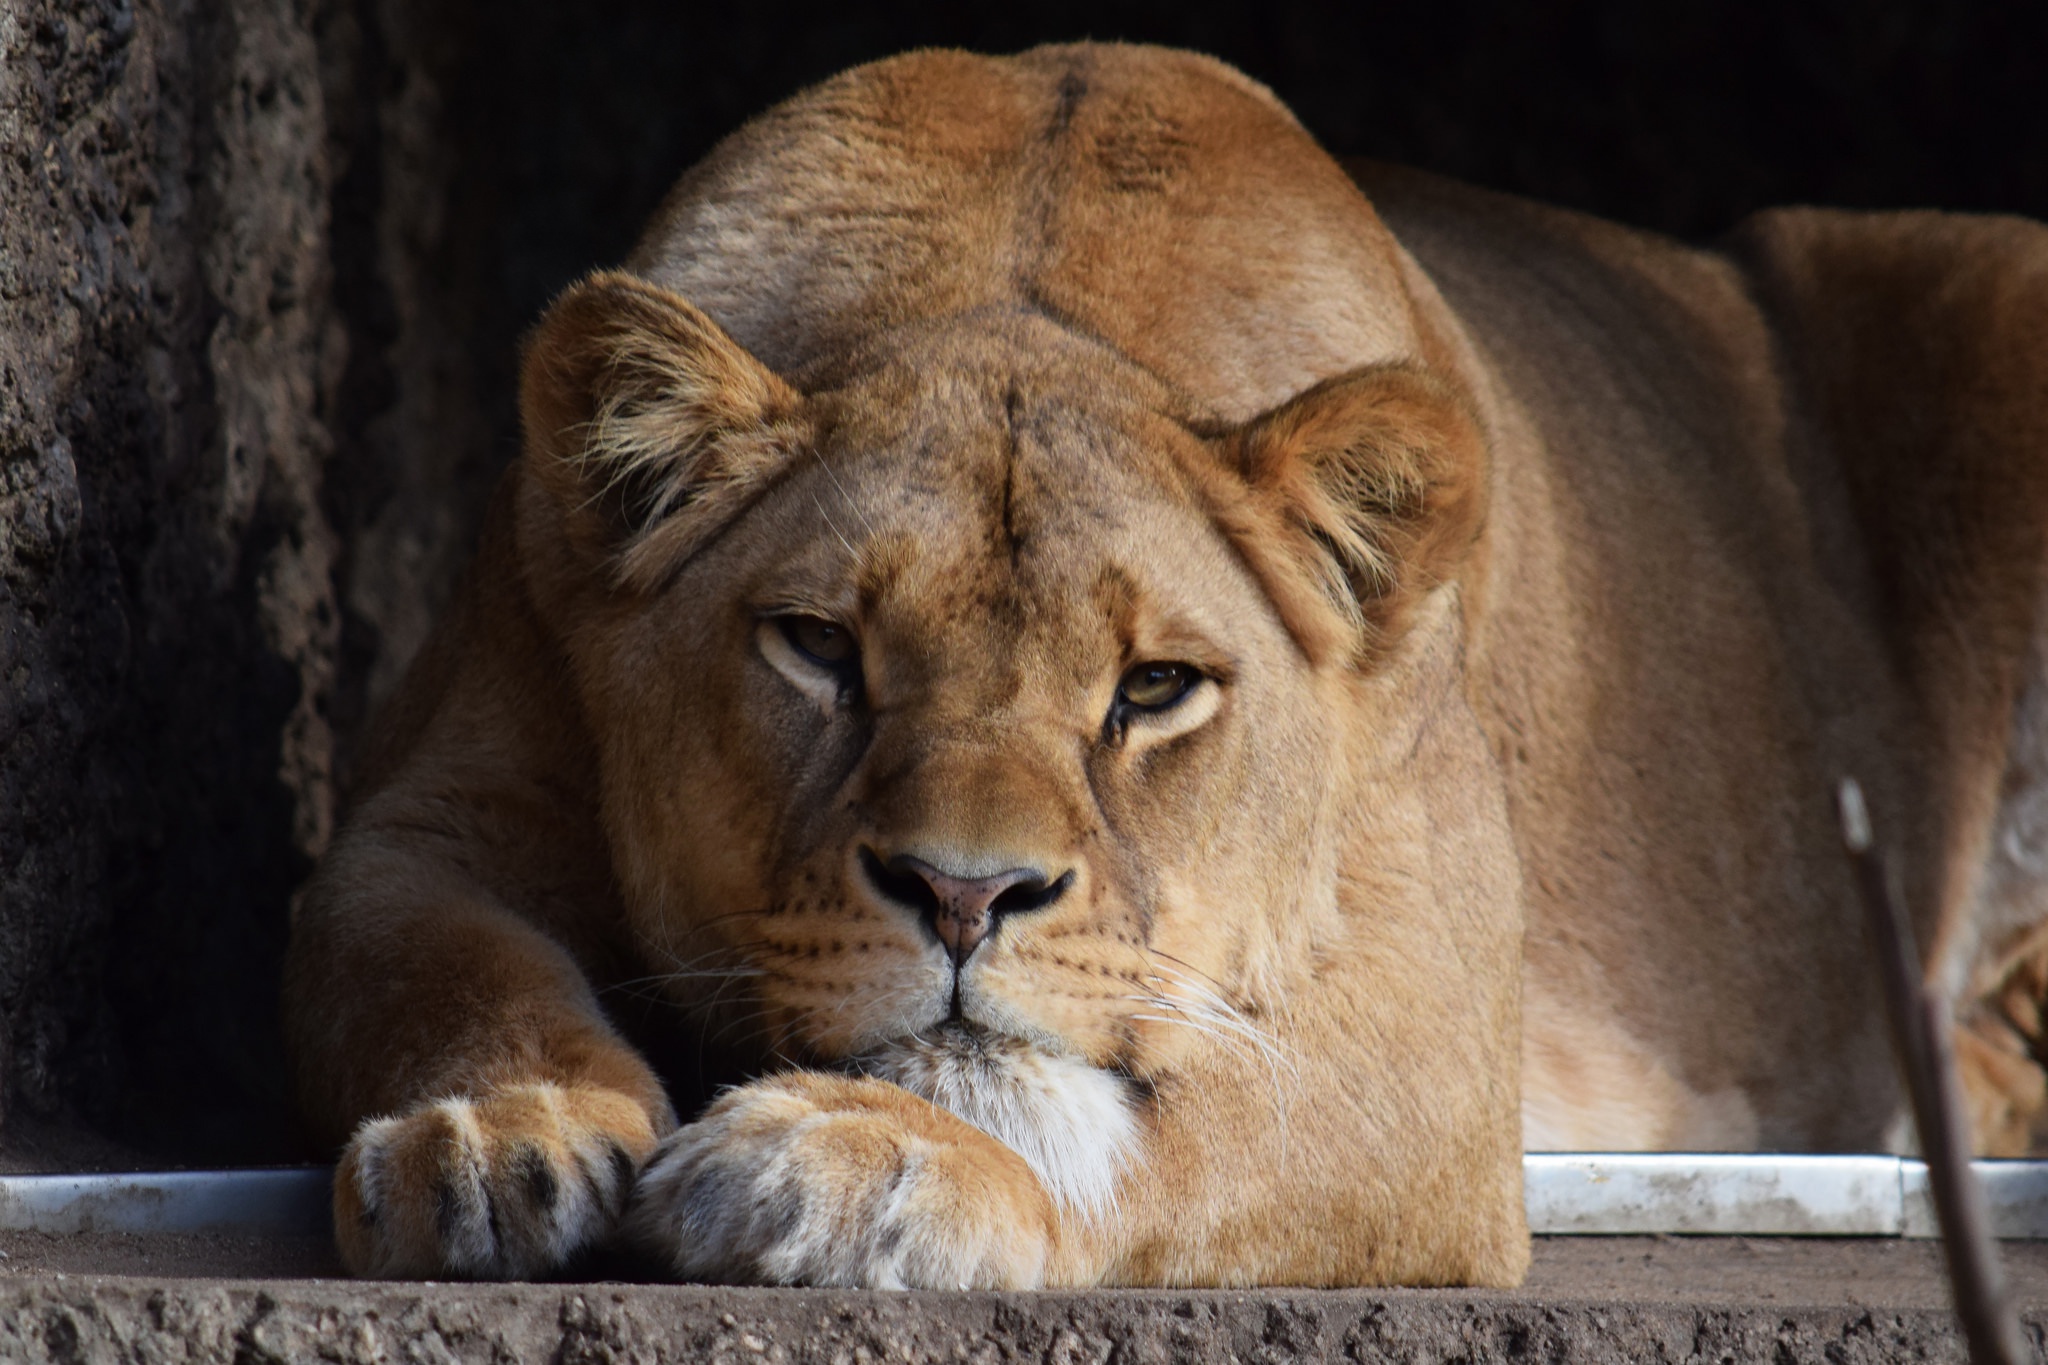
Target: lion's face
{"type": "Point", "coordinates": [973, 723]}
{"type": "Point", "coordinates": [970, 718]}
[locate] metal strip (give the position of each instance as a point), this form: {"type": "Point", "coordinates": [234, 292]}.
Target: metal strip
{"type": "Point", "coordinates": [1568, 1193]}
{"type": "Point", "coordinates": [2015, 1195]}
{"type": "Point", "coordinates": [278, 1202]}
{"type": "Point", "coordinates": [1811, 1196]}
{"type": "Point", "coordinates": [1605, 1193]}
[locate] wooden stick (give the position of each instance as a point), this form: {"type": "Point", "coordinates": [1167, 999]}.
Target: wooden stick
{"type": "Point", "coordinates": [1925, 1048]}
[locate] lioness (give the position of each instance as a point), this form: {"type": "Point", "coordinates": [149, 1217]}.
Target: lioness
{"type": "Point", "coordinates": [1157, 719]}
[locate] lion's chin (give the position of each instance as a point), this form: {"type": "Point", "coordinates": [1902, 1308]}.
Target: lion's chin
{"type": "Point", "coordinates": [1071, 1122]}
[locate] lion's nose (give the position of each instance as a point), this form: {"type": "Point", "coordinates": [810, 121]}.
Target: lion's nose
{"type": "Point", "coordinates": [961, 911]}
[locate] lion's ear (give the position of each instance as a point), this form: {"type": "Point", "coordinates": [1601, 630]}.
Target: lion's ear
{"type": "Point", "coordinates": [1368, 491]}
{"type": "Point", "coordinates": [647, 425]}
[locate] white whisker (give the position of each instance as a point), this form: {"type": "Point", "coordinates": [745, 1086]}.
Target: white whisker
{"type": "Point", "coordinates": [1207, 1012]}
{"type": "Point", "coordinates": [843, 494]}
{"type": "Point", "coordinates": [835, 528]}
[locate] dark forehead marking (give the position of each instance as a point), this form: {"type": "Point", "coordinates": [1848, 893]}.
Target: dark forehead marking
{"type": "Point", "coordinates": [1033, 301]}
{"type": "Point", "coordinates": [1170, 401]}
{"type": "Point", "coordinates": [1073, 88]}
{"type": "Point", "coordinates": [1015, 542]}
{"type": "Point", "coordinates": [1116, 594]}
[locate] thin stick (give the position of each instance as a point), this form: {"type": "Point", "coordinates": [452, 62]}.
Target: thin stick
{"type": "Point", "coordinates": [1925, 1049]}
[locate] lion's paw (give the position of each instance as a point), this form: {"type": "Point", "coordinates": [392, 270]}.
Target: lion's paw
{"type": "Point", "coordinates": [506, 1185]}
{"type": "Point", "coordinates": [828, 1180]}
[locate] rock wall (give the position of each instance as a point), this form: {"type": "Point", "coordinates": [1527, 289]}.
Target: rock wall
{"type": "Point", "coordinates": [222, 522]}
{"type": "Point", "coordinates": [263, 264]}
{"type": "Point", "coordinates": [168, 360]}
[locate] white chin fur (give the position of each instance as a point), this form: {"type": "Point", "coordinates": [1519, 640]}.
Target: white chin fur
{"type": "Point", "coordinates": [1069, 1121]}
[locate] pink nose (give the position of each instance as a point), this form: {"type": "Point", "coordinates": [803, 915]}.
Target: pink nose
{"type": "Point", "coordinates": [961, 911]}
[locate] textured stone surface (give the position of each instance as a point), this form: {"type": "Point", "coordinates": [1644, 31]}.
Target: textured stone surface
{"type": "Point", "coordinates": [1625, 1299]}
{"type": "Point", "coordinates": [166, 614]}
{"type": "Point", "coordinates": [96, 1320]}
{"type": "Point", "coordinates": [222, 521]}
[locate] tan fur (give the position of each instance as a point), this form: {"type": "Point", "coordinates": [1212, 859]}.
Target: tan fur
{"type": "Point", "coordinates": [1540, 574]}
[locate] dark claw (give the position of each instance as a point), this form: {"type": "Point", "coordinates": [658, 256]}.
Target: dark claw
{"type": "Point", "coordinates": [702, 1207]}
{"type": "Point", "coordinates": [491, 1220]}
{"type": "Point", "coordinates": [444, 1210]}
{"type": "Point", "coordinates": [541, 1185]}
{"type": "Point", "coordinates": [622, 1170]}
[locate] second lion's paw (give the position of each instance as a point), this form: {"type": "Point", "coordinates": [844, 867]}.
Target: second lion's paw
{"type": "Point", "coordinates": [827, 1180]}
{"type": "Point", "coordinates": [506, 1185]}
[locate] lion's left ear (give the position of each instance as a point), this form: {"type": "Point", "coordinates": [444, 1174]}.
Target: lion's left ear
{"type": "Point", "coordinates": [1366, 492]}
{"type": "Point", "coordinates": [647, 425]}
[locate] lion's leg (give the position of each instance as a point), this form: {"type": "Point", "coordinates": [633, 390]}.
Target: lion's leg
{"type": "Point", "coordinates": [495, 1119]}
{"type": "Point", "coordinates": [1285, 1169]}
{"type": "Point", "coordinates": [2001, 1045]}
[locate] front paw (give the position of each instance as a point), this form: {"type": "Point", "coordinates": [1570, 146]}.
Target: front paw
{"type": "Point", "coordinates": [827, 1180]}
{"type": "Point", "coordinates": [506, 1185]}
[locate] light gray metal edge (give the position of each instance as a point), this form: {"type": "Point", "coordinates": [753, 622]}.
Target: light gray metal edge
{"type": "Point", "coordinates": [2015, 1195]}
{"type": "Point", "coordinates": [1609, 1193]}
{"type": "Point", "coordinates": [285, 1201]}
{"type": "Point", "coordinates": [1567, 1193]}
{"type": "Point", "coordinates": [1615, 1193]}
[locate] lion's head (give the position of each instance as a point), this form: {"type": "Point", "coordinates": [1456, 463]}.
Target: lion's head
{"type": "Point", "coordinates": [977, 705]}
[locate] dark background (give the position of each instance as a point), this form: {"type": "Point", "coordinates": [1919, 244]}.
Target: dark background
{"type": "Point", "coordinates": [263, 269]}
{"type": "Point", "coordinates": [1679, 116]}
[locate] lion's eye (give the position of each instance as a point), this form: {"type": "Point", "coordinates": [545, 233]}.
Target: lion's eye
{"type": "Point", "coordinates": [1156, 686]}
{"type": "Point", "coordinates": [820, 640]}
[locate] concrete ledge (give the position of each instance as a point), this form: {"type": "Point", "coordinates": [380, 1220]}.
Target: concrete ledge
{"type": "Point", "coordinates": [1635, 1299]}
{"type": "Point", "coordinates": [137, 1320]}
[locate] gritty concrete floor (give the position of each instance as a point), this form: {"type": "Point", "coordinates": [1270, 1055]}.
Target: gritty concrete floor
{"type": "Point", "coordinates": [248, 1300]}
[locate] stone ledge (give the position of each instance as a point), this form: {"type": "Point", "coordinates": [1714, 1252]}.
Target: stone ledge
{"type": "Point", "coordinates": [1593, 1299]}
{"type": "Point", "coordinates": [109, 1319]}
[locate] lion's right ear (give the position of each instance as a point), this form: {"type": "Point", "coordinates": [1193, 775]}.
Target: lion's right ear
{"type": "Point", "coordinates": [647, 425]}
{"type": "Point", "coordinates": [1358, 498]}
